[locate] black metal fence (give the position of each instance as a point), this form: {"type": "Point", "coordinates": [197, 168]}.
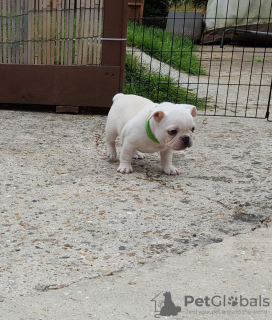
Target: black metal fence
{"type": "Point", "coordinates": [216, 56]}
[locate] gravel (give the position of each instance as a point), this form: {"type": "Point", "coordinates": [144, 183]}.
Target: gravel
{"type": "Point", "coordinates": [68, 215]}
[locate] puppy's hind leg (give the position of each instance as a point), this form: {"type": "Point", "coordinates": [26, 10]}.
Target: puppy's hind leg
{"type": "Point", "coordinates": [111, 135]}
{"type": "Point", "coordinates": [138, 155]}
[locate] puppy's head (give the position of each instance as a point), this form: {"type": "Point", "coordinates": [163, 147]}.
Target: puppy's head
{"type": "Point", "coordinates": [173, 125]}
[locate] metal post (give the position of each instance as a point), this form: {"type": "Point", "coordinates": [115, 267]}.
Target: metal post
{"type": "Point", "coordinates": [268, 105]}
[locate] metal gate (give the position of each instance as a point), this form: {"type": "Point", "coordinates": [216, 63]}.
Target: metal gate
{"type": "Point", "coordinates": [62, 52]}
{"type": "Point", "coordinates": [182, 58]}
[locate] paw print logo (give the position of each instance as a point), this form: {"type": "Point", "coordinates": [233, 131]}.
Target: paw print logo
{"type": "Point", "coordinates": [233, 301]}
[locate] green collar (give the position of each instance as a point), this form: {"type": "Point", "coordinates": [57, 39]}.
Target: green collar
{"type": "Point", "coordinates": [149, 133]}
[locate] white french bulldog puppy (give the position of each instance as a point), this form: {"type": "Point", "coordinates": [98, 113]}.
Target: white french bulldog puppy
{"type": "Point", "coordinates": [144, 126]}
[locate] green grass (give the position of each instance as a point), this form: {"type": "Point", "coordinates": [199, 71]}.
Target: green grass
{"type": "Point", "coordinates": [257, 59]}
{"type": "Point", "coordinates": [165, 46]}
{"type": "Point", "coordinates": [139, 80]}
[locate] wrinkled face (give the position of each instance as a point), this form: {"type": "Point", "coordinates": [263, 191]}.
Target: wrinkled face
{"type": "Point", "coordinates": [174, 125]}
{"type": "Point", "coordinates": [179, 138]}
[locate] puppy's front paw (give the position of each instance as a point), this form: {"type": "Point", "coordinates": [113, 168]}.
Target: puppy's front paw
{"type": "Point", "coordinates": [125, 168]}
{"type": "Point", "coordinates": [171, 170]}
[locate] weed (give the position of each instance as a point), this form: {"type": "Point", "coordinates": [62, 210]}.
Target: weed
{"type": "Point", "coordinates": [139, 80]}
{"type": "Point", "coordinates": [165, 46]}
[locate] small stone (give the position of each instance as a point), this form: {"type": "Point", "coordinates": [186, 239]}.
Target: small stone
{"type": "Point", "coordinates": [68, 245]}
{"type": "Point", "coordinates": [41, 287]}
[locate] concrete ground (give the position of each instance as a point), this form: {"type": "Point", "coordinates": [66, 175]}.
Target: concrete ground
{"type": "Point", "coordinates": [79, 240]}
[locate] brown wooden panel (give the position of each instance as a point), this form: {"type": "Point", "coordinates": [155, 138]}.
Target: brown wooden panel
{"type": "Point", "coordinates": [67, 109]}
{"type": "Point", "coordinates": [92, 86]}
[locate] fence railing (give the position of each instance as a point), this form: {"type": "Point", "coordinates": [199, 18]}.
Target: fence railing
{"type": "Point", "coordinates": [233, 80]}
{"type": "Point", "coordinates": [51, 32]}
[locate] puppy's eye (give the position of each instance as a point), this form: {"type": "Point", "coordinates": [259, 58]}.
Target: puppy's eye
{"type": "Point", "coordinates": [172, 132]}
{"type": "Point", "coordinates": [193, 129]}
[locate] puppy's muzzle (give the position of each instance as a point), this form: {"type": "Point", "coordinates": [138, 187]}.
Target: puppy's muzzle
{"type": "Point", "coordinates": [186, 142]}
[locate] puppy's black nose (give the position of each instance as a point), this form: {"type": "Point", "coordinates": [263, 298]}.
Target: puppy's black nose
{"type": "Point", "coordinates": [185, 140]}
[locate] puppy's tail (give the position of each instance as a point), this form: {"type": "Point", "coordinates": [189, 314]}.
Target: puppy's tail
{"type": "Point", "coordinates": [117, 96]}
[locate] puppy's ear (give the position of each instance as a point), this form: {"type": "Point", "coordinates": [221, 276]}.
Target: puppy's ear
{"type": "Point", "coordinates": [191, 108]}
{"type": "Point", "coordinates": [158, 115]}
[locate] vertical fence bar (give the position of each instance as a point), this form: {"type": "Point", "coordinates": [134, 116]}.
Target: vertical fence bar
{"type": "Point", "coordinates": [39, 14]}
{"type": "Point", "coordinates": [92, 41]}
{"type": "Point", "coordinates": [18, 18]}
{"type": "Point", "coordinates": [95, 29]}
{"type": "Point", "coordinates": [229, 77]}
{"type": "Point", "coordinates": [4, 9]}
{"type": "Point", "coordinates": [86, 32]}
{"type": "Point", "coordinates": [28, 31]}
{"type": "Point", "coordinates": [53, 34]}
{"type": "Point", "coordinates": [58, 45]}
{"type": "Point", "coordinates": [269, 101]}
{"type": "Point", "coordinates": [62, 33]}
{"type": "Point", "coordinates": [25, 30]}
{"type": "Point", "coordinates": [34, 32]}
{"type": "Point", "coordinates": [66, 31]}
{"type": "Point", "coordinates": [1, 40]}
{"type": "Point", "coordinates": [9, 44]}
{"type": "Point", "coordinates": [77, 33]}
{"type": "Point", "coordinates": [44, 47]}
{"type": "Point", "coordinates": [263, 63]}
{"type": "Point", "coordinates": [98, 58]}
{"type": "Point", "coordinates": [35, 29]}
{"type": "Point", "coordinates": [30, 38]}
{"type": "Point", "coordinates": [13, 29]}
{"type": "Point", "coordinates": [252, 61]}
{"type": "Point", "coordinates": [48, 31]}
{"type": "Point", "coordinates": [82, 10]}
{"type": "Point", "coordinates": [21, 31]}
{"type": "Point", "coordinates": [71, 32]}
